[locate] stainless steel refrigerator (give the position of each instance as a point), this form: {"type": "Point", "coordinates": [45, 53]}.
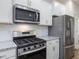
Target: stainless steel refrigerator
{"type": "Point", "coordinates": [63, 27]}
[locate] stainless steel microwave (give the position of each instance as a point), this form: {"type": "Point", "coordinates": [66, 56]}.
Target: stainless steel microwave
{"type": "Point", "coordinates": [23, 14]}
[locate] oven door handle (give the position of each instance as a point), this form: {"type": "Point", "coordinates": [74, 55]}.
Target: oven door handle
{"type": "Point", "coordinates": [28, 52]}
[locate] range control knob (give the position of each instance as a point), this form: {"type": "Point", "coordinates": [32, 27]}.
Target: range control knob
{"type": "Point", "coordinates": [42, 44]}
{"type": "Point", "coordinates": [34, 46]}
{"type": "Point", "coordinates": [24, 49]}
{"type": "Point", "coordinates": [28, 48]}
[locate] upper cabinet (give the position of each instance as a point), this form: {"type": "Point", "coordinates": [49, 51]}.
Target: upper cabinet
{"type": "Point", "coordinates": [5, 11]}
{"type": "Point", "coordinates": [58, 8]}
{"type": "Point", "coordinates": [22, 2]}
{"type": "Point", "coordinates": [45, 13]}
{"type": "Point", "coordinates": [35, 4]}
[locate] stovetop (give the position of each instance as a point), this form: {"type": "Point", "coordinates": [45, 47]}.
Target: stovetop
{"type": "Point", "coordinates": [25, 41]}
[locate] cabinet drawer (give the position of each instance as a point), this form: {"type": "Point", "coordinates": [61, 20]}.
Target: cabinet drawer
{"type": "Point", "coordinates": [7, 54]}
{"type": "Point", "coordinates": [53, 42]}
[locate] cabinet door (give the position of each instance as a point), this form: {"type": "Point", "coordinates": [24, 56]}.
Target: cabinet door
{"type": "Point", "coordinates": [45, 13]}
{"type": "Point", "coordinates": [53, 49]}
{"type": "Point", "coordinates": [5, 11]}
{"type": "Point", "coordinates": [7, 54]}
{"type": "Point", "coordinates": [21, 2]}
{"type": "Point", "coordinates": [35, 4]}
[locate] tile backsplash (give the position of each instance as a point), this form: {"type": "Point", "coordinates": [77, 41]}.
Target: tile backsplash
{"type": "Point", "coordinates": [6, 30]}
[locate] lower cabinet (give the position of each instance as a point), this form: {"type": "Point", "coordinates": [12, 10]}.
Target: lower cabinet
{"type": "Point", "coordinates": [53, 49]}
{"type": "Point", "coordinates": [8, 54]}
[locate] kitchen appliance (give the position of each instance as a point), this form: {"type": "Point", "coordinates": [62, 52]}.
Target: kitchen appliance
{"type": "Point", "coordinates": [25, 14]}
{"type": "Point", "coordinates": [29, 46]}
{"type": "Point", "coordinates": [63, 27]}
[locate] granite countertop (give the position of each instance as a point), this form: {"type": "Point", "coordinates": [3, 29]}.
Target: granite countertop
{"type": "Point", "coordinates": [48, 38]}
{"type": "Point", "coordinates": [5, 45]}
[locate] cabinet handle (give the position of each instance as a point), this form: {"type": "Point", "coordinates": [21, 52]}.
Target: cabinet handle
{"type": "Point", "coordinates": [53, 48]}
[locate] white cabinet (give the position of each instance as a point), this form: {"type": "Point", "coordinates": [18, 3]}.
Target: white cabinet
{"type": "Point", "coordinates": [21, 2]}
{"type": "Point", "coordinates": [6, 11]}
{"type": "Point", "coordinates": [36, 4]}
{"type": "Point", "coordinates": [8, 54]}
{"type": "Point", "coordinates": [45, 13]}
{"type": "Point", "coordinates": [53, 49]}
{"type": "Point", "coordinates": [58, 9]}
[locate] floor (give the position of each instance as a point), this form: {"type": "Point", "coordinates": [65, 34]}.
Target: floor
{"type": "Point", "coordinates": [76, 54]}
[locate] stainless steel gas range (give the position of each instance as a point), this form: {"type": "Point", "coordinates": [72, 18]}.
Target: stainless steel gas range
{"type": "Point", "coordinates": [29, 46]}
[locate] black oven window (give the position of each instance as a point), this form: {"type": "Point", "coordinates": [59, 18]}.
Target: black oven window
{"type": "Point", "coordinates": [36, 55]}
{"type": "Point", "coordinates": [24, 15]}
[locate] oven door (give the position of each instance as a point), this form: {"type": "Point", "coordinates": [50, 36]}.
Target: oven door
{"type": "Point", "coordinates": [41, 54]}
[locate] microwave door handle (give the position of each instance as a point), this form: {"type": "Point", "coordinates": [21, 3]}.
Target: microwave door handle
{"type": "Point", "coordinates": [36, 16]}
